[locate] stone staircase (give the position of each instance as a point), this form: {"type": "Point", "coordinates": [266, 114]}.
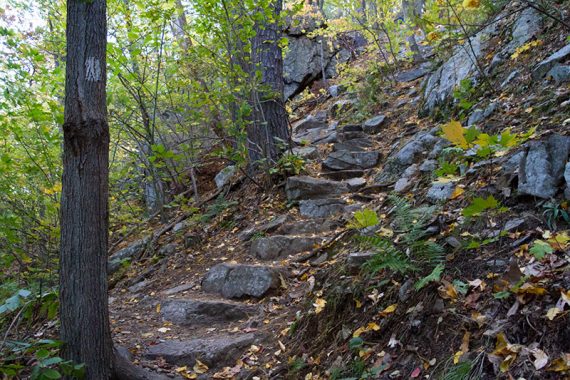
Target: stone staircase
{"type": "Point", "coordinates": [230, 293]}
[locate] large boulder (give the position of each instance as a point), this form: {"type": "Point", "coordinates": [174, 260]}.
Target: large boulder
{"type": "Point", "coordinates": [279, 246]}
{"type": "Point", "coordinates": [198, 312]}
{"type": "Point", "coordinates": [423, 145]}
{"type": "Point", "coordinates": [542, 167]}
{"type": "Point", "coordinates": [345, 160]}
{"type": "Point", "coordinates": [133, 250]}
{"type": "Point", "coordinates": [238, 280]}
{"type": "Point", "coordinates": [545, 66]}
{"type": "Point", "coordinates": [304, 187]}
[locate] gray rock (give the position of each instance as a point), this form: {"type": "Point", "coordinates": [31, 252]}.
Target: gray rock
{"type": "Point", "coordinates": [512, 76]}
{"type": "Point", "coordinates": [479, 114]}
{"type": "Point", "coordinates": [351, 128]}
{"type": "Point", "coordinates": [405, 290]}
{"type": "Point", "coordinates": [336, 90]}
{"type": "Point", "coordinates": [428, 166]}
{"type": "Point", "coordinates": [192, 240]}
{"type": "Point", "coordinates": [341, 106]}
{"type": "Point", "coordinates": [545, 66]}
{"type": "Point", "coordinates": [559, 73]}
{"type": "Point", "coordinates": [168, 249]}
{"type": "Point", "coordinates": [224, 176]}
{"type": "Point", "coordinates": [304, 187]}
{"type": "Point", "coordinates": [440, 192]}
{"type": "Point", "coordinates": [132, 251]}
{"type": "Point", "coordinates": [269, 226]}
{"type": "Point", "coordinates": [542, 167]}
{"type": "Point", "coordinates": [440, 85]}
{"type": "Point", "coordinates": [307, 227]}
{"type": "Point", "coordinates": [307, 152]}
{"type": "Point", "coordinates": [411, 171]}
{"type": "Point", "coordinates": [567, 180]}
{"type": "Point", "coordinates": [514, 224]}
{"type": "Point", "coordinates": [354, 145]}
{"type": "Point", "coordinates": [343, 160]}
{"type": "Point", "coordinates": [355, 260]}
{"type": "Point", "coordinates": [316, 136]}
{"type": "Point", "coordinates": [215, 352]}
{"type": "Point", "coordinates": [238, 280]}
{"type": "Point", "coordinates": [412, 152]}
{"type": "Point", "coordinates": [280, 246]}
{"type": "Point", "coordinates": [355, 183]}
{"type": "Point", "coordinates": [343, 174]}
{"type": "Point", "coordinates": [190, 312]}
{"type": "Point", "coordinates": [402, 185]}
{"type": "Point", "coordinates": [310, 122]}
{"type": "Point", "coordinates": [527, 26]}
{"type": "Point", "coordinates": [347, 136]}
{"type": "Point", "coordinates": [178, 289]}
{"type": "Point", "coordinates": [139, 286]}
{"type": "Point", "coordinates": [322, 208]}
{"type": "Point", "coordinates": [374, 125]}
{"type": "Point", "coordinates": [454, 242]}
{"type": "Point", "coordinates": [413, 74]}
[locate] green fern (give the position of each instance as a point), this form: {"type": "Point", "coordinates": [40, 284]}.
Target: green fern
{"type": "Point", "coordinates": [388, 256]}
{"type": "Point", "coordinates": [460, 371]}
{"type": "Point", "coordinates": [435, 275]}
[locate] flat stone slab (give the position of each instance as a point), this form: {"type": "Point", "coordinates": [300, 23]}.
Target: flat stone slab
{"type": "Point", "coordinates": [280, 246]}
{"type": "Point", "coordinates": [189, 312]}
{"type": "Point", "coordinates": [307, 152]}
{"type": "Point", "coordinates": [344, 174]}
{"type": "Point", "coordinates": [215, 352]}
{"type": "Point", "coordinates": [343, 160]}
{"type": "Point", "coordinates": [322, 208]}
{"type": "Point", "coordinates": [307, 227]}
{"type": "Point", "coordinates": [304, 187]}
{"type": "Point", "coordinates": [268, 226]}
{"type": "Point", "coordinates": [240, 280]}
{"type": "Point", "coordinates": [355, 260]}
{"type": "Point", "coordinates": [374, 125]}
{"type": "Point", "coordinates": [354, 145]}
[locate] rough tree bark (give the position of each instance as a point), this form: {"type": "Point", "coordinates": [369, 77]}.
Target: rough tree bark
{"type": "Point", "coordinates": [270, 123]}
{"type": "Point", "coordinates": [84, 209]}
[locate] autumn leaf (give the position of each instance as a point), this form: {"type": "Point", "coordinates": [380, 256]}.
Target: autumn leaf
{"type": "Point", "coordinates": [471, 4]}
{"type": "Point", "coordinates": [200, 367]}
{"type": "Point", "coordinates": [319, 305]}
{"type": "Point", "coordinates": [390, 309]}
{"type": "Point", "coordinates": [455, 133]}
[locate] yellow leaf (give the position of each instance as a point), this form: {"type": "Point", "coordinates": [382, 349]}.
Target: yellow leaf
{"type": "Point", "coordinates": [552, 313]}
{"type": "Point", "coordinates": [561, 364]}
{"type": "Point", "coordinates": [560, 240]}
{"type": "Point", "coordinates": [531, 289]}
{"type": "Point", "coordinates": [358, 303]}
{"type": "Point", "coordinates": [471, 4]}
{"type": "Point", "coordinates": [359, 331]}
{"type": "Point", "coordinates": [319, 305]}
{"type": "Point", "coordinates": [433, 36]}
{"type": "Point", "coordinates": [457, 356]}
{"type": "Point", "coordinates": [372, 326]}
{"type": "Point", "coordinates": [390, 309]}
{"type": "Point", "coordinates": [455, 133]}
{"type": "Point", "coordinates": [457, 192]}
{"type": "Point", "coordinates": [200, 367]}
{"type": "Point", "coordinates": [504, 366]}
{"type": "Point", "coordinates": [158, 308]}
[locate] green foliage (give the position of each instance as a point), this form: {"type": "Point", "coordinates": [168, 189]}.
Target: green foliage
{"type": "Point", "coordinates": [480, 205]}
{"type": "Point", "coordinates": [434, 276]}
{"type": "Point", "coordinates": [289, 165]}
{"type": "Point", "coordinates": [554, 212]}
{"type": "Point", "coordinates": [540, 249]}
{"type": "Point", "coordinates": [363, 219]}
{"type": "Point", "coordinates": [216, 208]}
{"type": "Point", "coordinates": [410, 224]}
{"type": "Point", "coordinates": [465, 94]}
{"type": "Point", "coordinates": [459, 371]}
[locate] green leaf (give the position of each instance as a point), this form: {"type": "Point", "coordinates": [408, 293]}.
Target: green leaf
{"type": "Point", "coordinates": [540, 249]}
{"type": "Point", "coordinates": [363, 219]}
{"type": "Point", "coordinates": [355, 343]}
{"type": "Point", "coordinates": [435, 275]}
{"type": "Point", "coordinates": [478, 205]}
{"type": "Point", "coordinates": [51, 374]}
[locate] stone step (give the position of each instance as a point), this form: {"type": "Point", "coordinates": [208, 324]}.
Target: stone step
{"type": "Point", "coordinates": [280, 246]}
{"type": "Point", "coordinates": [323, 208]}
{"type": "Point", "coordinates": [354, 145]}
{"type": "Point", "coordinates": [304, 187]}
{"type": "Point", "coordinates": [214, 351]}
{"type": "Point", "coordinates": [195, 312]}
{"type": "Point", "coordinates": [240, 280]}
{"type": "Point", "coordinates": [269, 226]}
{"type": "Point", "coordinates": [307, 227]}
{"type": "Point", "coordinates": [339, 175]}
{"type": "Point", "coordinates": [344, 160]}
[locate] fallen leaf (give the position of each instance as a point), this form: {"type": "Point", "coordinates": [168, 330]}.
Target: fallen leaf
{"type": "Point", "coordinates": [319, 305]}
{"type": "Point", "coordinates": [200, 367]}
{"type": "Point", "coordinates": [552, 313]}
{"type": "Point", "coordinates": [540, 358]}
{"type": "Point", "coordinates": [390, 309]}
{"type": "Point", "coordinates": [455, 133]}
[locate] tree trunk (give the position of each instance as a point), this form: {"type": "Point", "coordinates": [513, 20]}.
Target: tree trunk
{"type": "Point", "coordinates": [269, 128]}
{"type": "Point", "coordinates": [84, 202]}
